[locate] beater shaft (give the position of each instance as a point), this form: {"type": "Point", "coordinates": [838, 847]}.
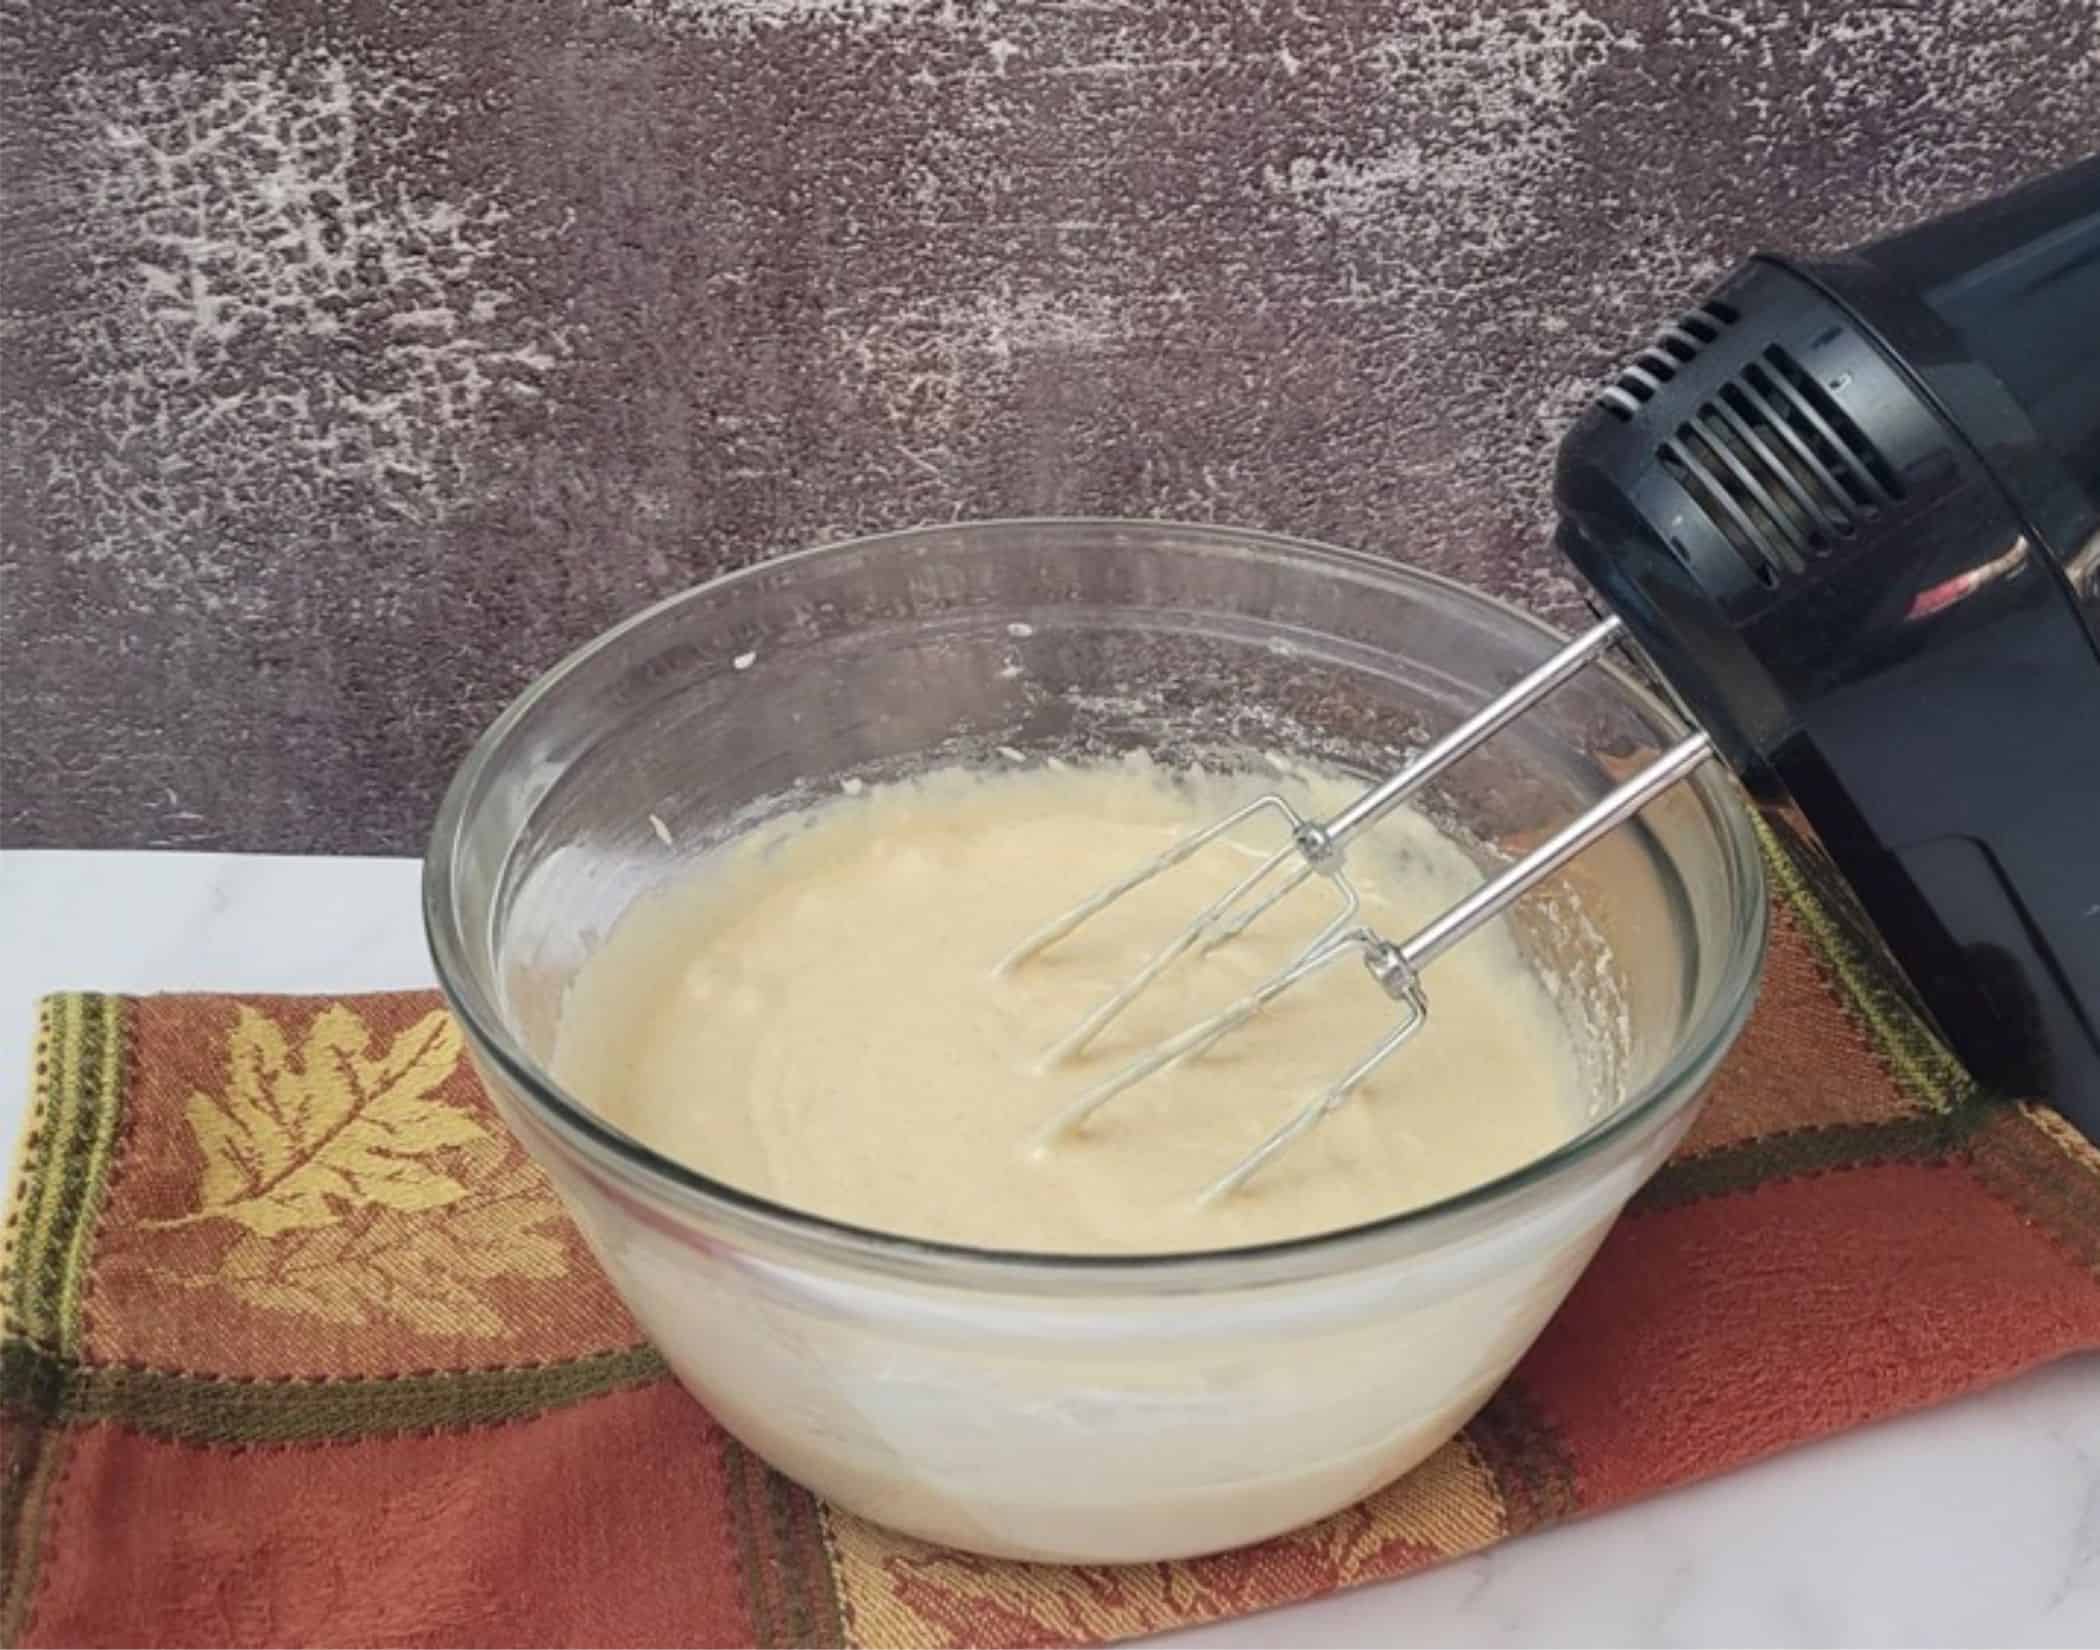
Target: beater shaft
{"type": "Point", "coordinates": [1495, 896]}
{"type": "Point", "coordinates": [1475, 730]}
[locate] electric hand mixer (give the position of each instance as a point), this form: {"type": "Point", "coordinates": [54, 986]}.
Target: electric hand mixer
{"type": "Point", "coordinates": [1849, 512]}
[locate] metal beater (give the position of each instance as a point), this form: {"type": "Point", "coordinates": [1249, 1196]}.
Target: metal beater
{"type": "Point", "coordinates": [1317, 848]}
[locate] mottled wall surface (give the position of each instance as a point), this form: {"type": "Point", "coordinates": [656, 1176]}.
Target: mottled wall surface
{"type": "Point", "coordinates": [362, 356]}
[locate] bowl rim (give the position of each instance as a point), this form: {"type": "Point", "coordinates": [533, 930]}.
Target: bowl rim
{"type": "Point", "coordinates": [1674, 1086]}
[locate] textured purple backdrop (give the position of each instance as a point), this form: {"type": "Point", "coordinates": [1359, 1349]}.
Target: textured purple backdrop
{"type": "Point", "coordinates": [361, 357]}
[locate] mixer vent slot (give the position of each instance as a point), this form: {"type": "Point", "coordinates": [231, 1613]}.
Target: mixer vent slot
{"type": "Point", "coordinates": [1655, 366]}
{"type": "Point", "coordinates": [1778, 468]}
{"type": "Point", "coordinates": [1868, 476]}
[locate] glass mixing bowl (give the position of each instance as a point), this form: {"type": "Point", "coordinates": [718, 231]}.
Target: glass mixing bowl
{"type": "Point", "coordinates": [1084, 1408]}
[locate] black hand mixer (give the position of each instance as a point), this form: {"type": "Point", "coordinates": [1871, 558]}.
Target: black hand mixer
{"type": "Point", "coordinates": [1848, 510]}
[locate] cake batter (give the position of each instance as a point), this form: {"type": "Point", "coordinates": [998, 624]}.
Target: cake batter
{"type": "Point", "coordinates": [813, 1016]}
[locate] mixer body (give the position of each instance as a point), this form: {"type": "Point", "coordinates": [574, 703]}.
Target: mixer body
{"type": "Point", "coordinates": [1850, 512]}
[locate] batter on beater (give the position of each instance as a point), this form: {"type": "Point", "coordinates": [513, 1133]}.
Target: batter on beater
{"type": "Point", "coordinates": [813, 1016]}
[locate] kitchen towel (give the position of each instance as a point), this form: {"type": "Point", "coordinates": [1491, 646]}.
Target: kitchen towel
{"type": "Point", "coordinates": [300, 1349]}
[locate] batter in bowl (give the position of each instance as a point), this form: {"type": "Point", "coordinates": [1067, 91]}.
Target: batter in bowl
{"type": "Point", "coordinates": [813, 1016]}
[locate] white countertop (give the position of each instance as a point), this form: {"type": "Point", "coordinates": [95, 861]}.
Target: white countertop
{"type": "Point", "coordinates": [1978, 1522]}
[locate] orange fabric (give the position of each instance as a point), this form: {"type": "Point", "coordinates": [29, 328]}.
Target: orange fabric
{"type": "Point", "coordinates": [1711, 1334]}
{"type": "Point", "coordinates": [498, 1536]}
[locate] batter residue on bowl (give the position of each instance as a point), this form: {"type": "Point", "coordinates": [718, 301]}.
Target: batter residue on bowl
{"type": "Point", "coordinates": [812, 1016]}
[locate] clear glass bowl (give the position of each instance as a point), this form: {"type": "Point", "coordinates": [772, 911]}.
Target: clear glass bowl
{"type": "Point", "coordinates": [1083, 1408]}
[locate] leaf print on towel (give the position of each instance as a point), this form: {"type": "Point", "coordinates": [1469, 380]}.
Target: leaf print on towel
{"type": "Point", "coordinates": [362, 1195]}
{"type": "Point", "coordinates": [295, 1143]}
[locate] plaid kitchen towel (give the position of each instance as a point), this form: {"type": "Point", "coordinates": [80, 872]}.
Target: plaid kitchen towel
{"type": "Point", "coordinates": [300, 1348]}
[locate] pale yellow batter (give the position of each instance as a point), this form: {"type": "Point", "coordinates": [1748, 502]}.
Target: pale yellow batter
{"type": "Point", "coordinates": [813, 1016]}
